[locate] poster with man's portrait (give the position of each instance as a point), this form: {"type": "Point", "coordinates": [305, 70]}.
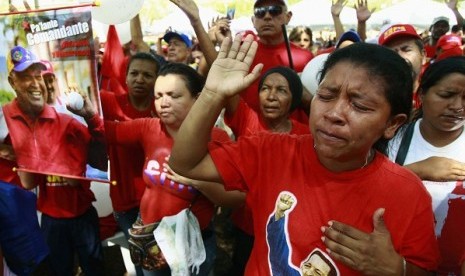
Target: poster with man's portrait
{"type": "Point", "coordinates": [50, 120]}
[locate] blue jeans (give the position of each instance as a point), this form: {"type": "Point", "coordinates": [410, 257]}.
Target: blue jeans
{"type": "Point", "coordinates": [125, 220]}
{"type": "Point", "coordinates": [209, 242]}
{"type": "Point", "coordinates": [65, 236]}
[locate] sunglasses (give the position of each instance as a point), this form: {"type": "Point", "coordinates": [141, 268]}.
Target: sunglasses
{"type": "Point", "coordinates": [260, 12]}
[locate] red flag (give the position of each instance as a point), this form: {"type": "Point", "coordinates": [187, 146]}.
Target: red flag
{"type": "Point", "coordinates": [113, 72]}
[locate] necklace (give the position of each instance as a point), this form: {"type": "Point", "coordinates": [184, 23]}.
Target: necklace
{"type": "Point", "coordinates": [369, 155]}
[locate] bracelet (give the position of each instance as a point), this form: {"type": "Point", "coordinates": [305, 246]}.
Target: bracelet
{"type": "Point", "coordinates": [404, 265]}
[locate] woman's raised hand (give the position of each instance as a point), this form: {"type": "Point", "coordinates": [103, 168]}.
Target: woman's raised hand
{"type": "Point", "coordinates": [229, 73]}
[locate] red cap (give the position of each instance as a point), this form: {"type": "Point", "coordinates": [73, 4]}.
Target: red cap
{"type": "Point", "coordinates": [449, 41]}
{"type": "Point", "coordinates": [397, 30]}
{"type": "Point", "coordinates": [48, 67]}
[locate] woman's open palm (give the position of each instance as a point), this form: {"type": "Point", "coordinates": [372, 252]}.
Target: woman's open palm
{"type": "Point", "coordinates": [229, 73]}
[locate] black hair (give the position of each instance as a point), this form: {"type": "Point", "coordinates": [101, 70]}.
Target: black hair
{"type": "Point", "coordinates": [144, 56]}
{"type": "Point", "coordinates": [455, 28]}
{"type": "Point", "coordinates": [293, 81]}
{"type": "Point", "coordinates": [194, 81]}
{"type": "Point", "coordinates": [436, 72]}
{"type": "Point", "coordinates": [384, 64]}
{"type": "Point", "coordinates": [332, 268]}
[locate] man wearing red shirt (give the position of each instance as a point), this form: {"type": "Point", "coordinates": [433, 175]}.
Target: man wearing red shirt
{"type": "Point", "coordinates": [50, 142]}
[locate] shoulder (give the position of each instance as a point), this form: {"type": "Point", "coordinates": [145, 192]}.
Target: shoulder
{"type": "Point", "coordinates": [299, 128]}
{"type": "Point", "coordinates": [399, 177]}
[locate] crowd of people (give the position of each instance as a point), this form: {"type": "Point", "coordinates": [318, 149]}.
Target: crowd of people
{"type": "Point", "coordinates": [363, 176]}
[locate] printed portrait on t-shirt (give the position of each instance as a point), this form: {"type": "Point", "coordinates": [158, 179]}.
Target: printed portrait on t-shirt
{"type": "Point", "coordinates": [280, 250]}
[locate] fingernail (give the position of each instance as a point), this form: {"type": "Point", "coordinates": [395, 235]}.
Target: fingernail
{"type": "Point", "coordinates": [323, 229]}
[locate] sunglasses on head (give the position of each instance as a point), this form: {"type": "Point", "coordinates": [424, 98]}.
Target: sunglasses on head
{"type": "Point", "coordinates": [260, 12]}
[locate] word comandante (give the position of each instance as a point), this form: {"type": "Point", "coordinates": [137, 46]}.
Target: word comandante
{"type": "Point", "coordinates": [58, 33]}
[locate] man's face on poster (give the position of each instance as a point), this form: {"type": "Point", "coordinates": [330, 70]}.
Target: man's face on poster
{"type": "Point", "coordinates": [52, 88]}
{"type": "Point", "coordinates": [30, 89]}
{"type": "Point", "coordinates": [315, 266]}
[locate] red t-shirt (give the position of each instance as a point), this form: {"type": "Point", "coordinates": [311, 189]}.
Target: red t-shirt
{"type": "Point", "coordinates": [162, 197]}
{"type": "Point", "coordinates": [451, 239]}
{"type": "Point", "coordinates": [246, 121]}
{"type": "Point", "coordinates": [430, 51]}
{"type": "Point", "coordinates": [60, 200]}
{"type": "Point", "coordinates": [266, 165]}
{"type": "Point", "coordinates": [126, 163]}
{"type": "Point", "coordinates": [272, 56]}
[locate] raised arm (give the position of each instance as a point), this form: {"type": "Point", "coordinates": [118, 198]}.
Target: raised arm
{"type": "Point", "coordinates": [336, 9]}
{"type": "Point", "coordinates": [137, 38]}
{"type": "Point", "coordinates": [229, 75]}
{"type": "Point", "coordinates": [192, 11]}
{"type": "Point", "coordinates": [452, 4]}
{"type": "Point", "coordinates": [363, 14]}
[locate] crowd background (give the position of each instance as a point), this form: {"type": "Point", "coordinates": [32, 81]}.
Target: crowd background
{"type": "Point", "coordinates": [153, 33]}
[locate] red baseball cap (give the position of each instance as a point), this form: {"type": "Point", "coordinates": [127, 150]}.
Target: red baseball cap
{"type": "Point", "coordinates": [48, 67]}
{"type": "Point", "coordinates": [450, 46]}
{"type": "Point", "coordinates": [449, 41]}
{"type": "Point", "coordinates": [397, 30]}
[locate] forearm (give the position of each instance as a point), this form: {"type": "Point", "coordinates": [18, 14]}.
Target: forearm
{"type": "Point", "coordinates": [207, 46]}
{"type": "Point", "coordinates": [123, 133]}
{"type": "Point", "coordinates": [361, 30]}
{"type": "Point", "coordinates": [216, 193]}
{"type": "Point", "coordinates": [28, 180]}
{"type": "Point", "coordinates": [338, 26]}
{"type": "Point", "coordinates": [137, 38]}
{"type": "Point", "coordinates": [195, 130]}
{"type": "Point", "coordinates": [417, 169]}
{"type": "Point", "coordinates": [458, 17]}
{"type": "Point", "coordinates": [96, 127]}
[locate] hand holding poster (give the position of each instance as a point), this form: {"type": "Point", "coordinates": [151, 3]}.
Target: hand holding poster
{"type": "Point", "coordinates": [51, 59]}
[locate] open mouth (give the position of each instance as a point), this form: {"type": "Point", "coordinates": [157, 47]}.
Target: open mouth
{"type": "Point", "coordinates": [36, 95]}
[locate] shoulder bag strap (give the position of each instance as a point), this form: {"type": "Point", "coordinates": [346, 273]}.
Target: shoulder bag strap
{"type": "Point", "coordinates": [405, 144]}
